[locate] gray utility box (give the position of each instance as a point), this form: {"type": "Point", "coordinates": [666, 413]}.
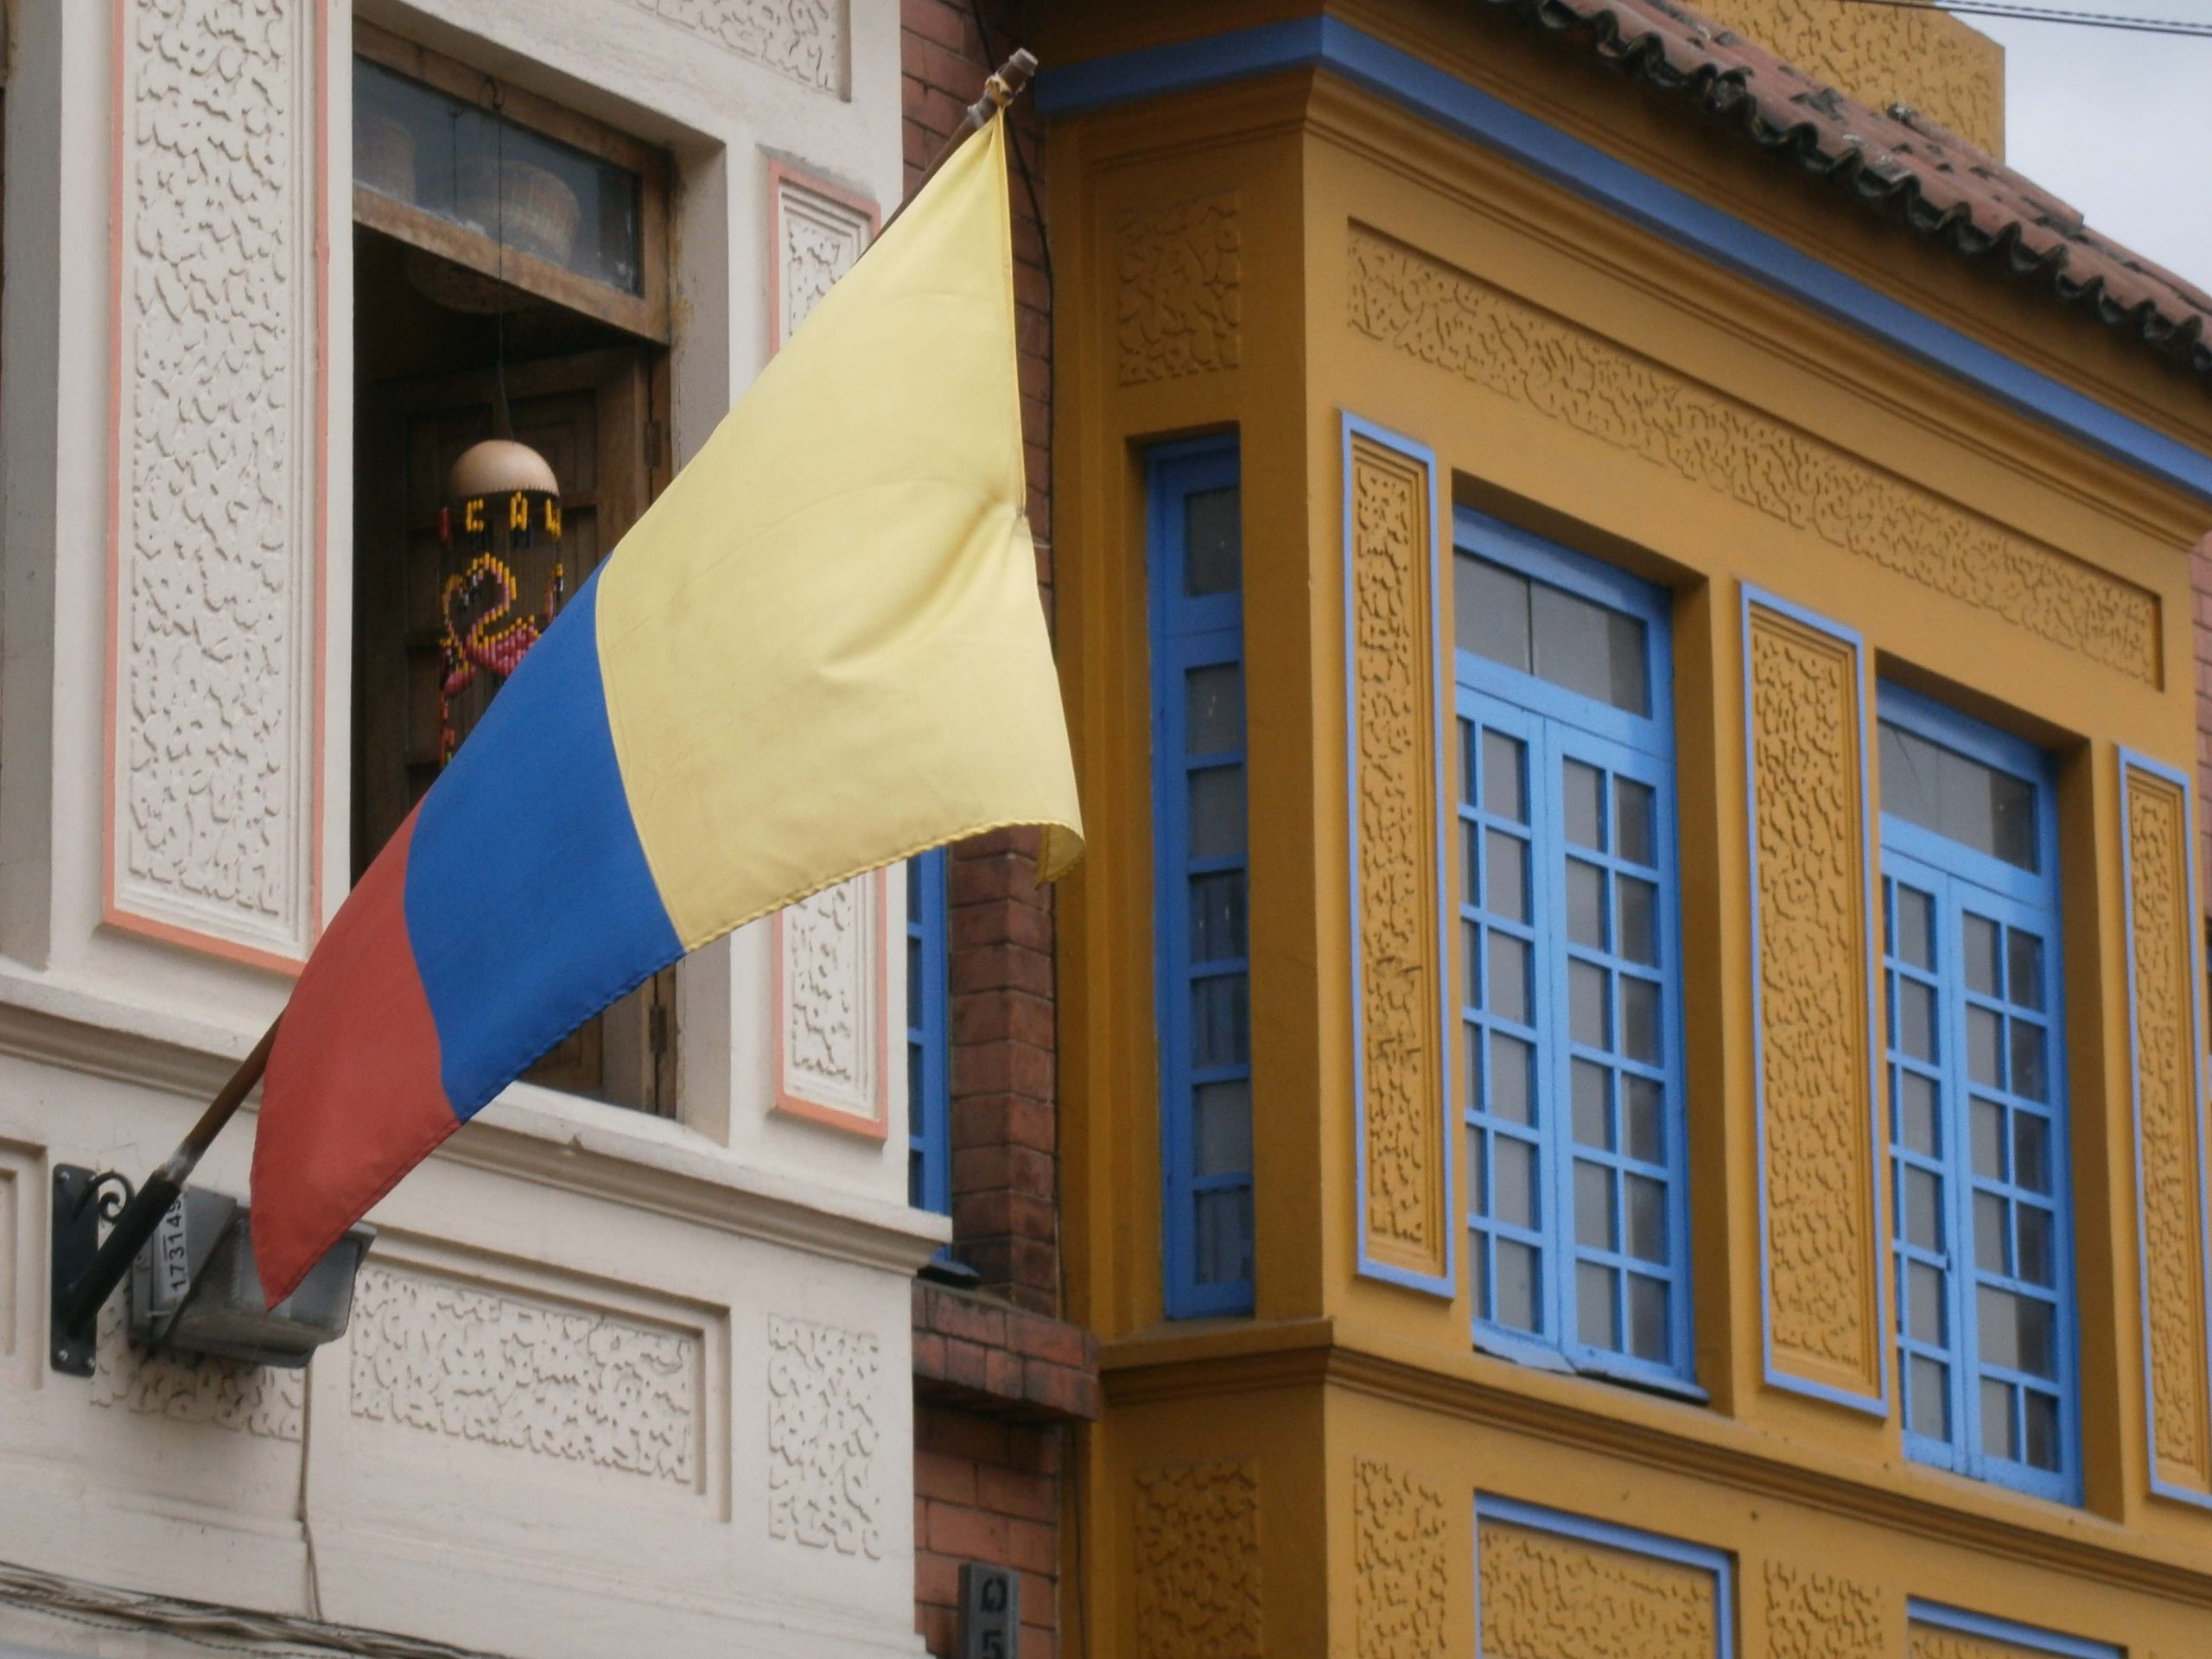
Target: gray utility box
{"type": "Point", "coordinates": [195, 1288]}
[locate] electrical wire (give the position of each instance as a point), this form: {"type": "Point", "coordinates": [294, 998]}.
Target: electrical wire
{"type": "Point", "coordinates": [2114, 21]}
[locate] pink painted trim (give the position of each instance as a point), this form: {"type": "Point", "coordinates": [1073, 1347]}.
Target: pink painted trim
{"type": "Point", "coordinates": [875, 1128]}
{"type": "Point", "coordinates": [112, 914]}
{"type": "Point", "coordinates": [782, 173]}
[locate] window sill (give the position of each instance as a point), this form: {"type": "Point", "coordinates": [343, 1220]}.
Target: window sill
{"type": "Point", "coordinates": [1539, 1358]}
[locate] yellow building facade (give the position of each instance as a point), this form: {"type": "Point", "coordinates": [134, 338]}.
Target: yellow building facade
{"type": "Point", "coordinates": [1432, 306]}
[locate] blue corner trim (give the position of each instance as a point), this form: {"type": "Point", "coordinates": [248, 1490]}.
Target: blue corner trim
{"type": "Point", "coordinates": [1611, 1536]}
{"type": "Point", "coordinates": [1993, 1629]}
{"type": "Point", "coordinates": [1439, 1284]}
{"type": "Point", "coordinates": [1877, 1403]}
{"type": "Point", "coordinates": [2129, 761]}
{"type": "Point", "coordinates": [1437, 96]}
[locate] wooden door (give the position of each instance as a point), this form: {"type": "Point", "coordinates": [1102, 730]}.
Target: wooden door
{"type": "Point", "coordinates": [594, 416]}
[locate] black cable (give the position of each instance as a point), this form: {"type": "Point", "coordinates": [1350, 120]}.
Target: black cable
{"type": "Point", "coordinates": [2045, 14]}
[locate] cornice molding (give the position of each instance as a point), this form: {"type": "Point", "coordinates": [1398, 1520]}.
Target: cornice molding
{"type": "Point", "coordinates": [1677, 1438]}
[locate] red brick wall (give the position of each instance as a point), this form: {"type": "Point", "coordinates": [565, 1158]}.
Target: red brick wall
{"type": "Point", "coordinates": [986, 1491]}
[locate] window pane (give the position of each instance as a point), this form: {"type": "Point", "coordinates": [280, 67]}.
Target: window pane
{"type": "Point", "coordinates": [1989, 1233]}
{"type": "Point", "coordinates": [1220, 1021]}
{"type": "Point", "coordinates": [1913, 929]}
{"type": "Point", "coordinates": [2017, 1332]}
{"type": "Point", "coordinates": [1505, 891]}
{"type": "Point", "coordinates": [1931, 1406]}
{"type": "Point", "coordinates": [2032, 1260]}
{"type": "Point", "coordinates": [1640, 1020]}
{"type": "Point", "coordinates": [1917, 1113]}
{"type": "Point", "coordinates": [1916, 1019]}
{"type": "Point", "coordinates": [1591, 1084]}
{"type": "Point", "coordinates": [1492, 607]}
{"type": "Point", "coordinates": [1220, 1118]}
{"type": "Point", "coordinates": [1962, 799]}
{"type": "Point", "coordinates": [1585, 903]}
{"type": "Point", "coordinates": [2040, 1449]}
{"type": "Point", "coordinates": [1505, 777]}
{"type": "Point", "coordinates": [1593, 1205]}
{"type": "Point", "coordinates": [1513, 1182]}
{"type": "Point", "coordinates": [1924, 1217]}
{"type": "Point", "coordinates": [1924, 1294]}
{"type": "Point", "coordinates": [1590, 648]}
{"type": "Point", "coordinates": [2030, 1152]}
{"type": "Point", "coordinates": [1989, 1140]}
{"type": "Point", "coordinates": [1213, 709]}
{"type": "Point", "coordinates": [1647, 1318]}
{"type": "Point", "coordinates": [1516, 1285]}
{"type": "Point", "coordinates": [1589, 1017]}
{"type": "Point", "coordinates": [1584, 790]}
{"type": "Point", "coordinates": [1632, 823]}
{"type": "Point", "coordinates": [1639, 913]}
{"type": "Point", "coordinates": [1217, 827]}
{"type": "Point", "coordinates": [1985, 1061]}
{"type": "Point", "coordinates": [2028, 1078]}
{"type": "Point", "coordinates": [1642, 1101]}
{"type": "Point", "coordinates": [1647, 1218]}
{"type": "Point", "coordinates": [1997, 1440]}
{"type": "Point", "coordinates": [1218, 916]}
{"type": "Point", "coordinates": [1593, 1306]}
{"type": "Point", "coordinates": [1979, 939]}
{"type": "Point", "coordinates": [1213, 541]}
{"type": "Point", "coordinates": [2024, 980]}
{"type": "Point", "coordinates": [1512, 1087]}
{"type": "Point", "coordinates": [1224, 1237]}
{"type": "Point", "coordinates": [1508, 979]}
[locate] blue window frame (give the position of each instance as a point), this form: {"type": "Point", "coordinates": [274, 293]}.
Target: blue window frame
{"type": "Point", "coordinates": [1196, 577]}
{"type": "Point", "coordinates": [929, 1050]}
{"type": "Point", "coordinates": [1982, 1205]}
{"type": "Point", "coordinates": [1570, 944]}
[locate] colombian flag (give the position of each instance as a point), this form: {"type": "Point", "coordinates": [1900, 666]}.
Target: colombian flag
{"type": "Point", "coordinates": [820, 650]}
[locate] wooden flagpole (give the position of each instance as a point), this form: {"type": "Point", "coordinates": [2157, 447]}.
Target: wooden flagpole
{"type": "Point", "coordinates": [138, 1218]}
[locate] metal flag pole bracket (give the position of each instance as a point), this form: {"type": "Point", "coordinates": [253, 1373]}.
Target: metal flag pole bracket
{"type": "Point", "coordinates": [1001, 88]}
{"type": "Point", "coordinates": [85, 1267]}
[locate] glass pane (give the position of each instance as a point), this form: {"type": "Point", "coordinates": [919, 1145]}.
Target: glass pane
{"type": "Point", "coordinates": [1512, 1093]}
{"type": "Point", "coordinates": [1972, 803]}
{"type": "Point", "coordinates": [1647, 1218]}
{"type": "Point", "coordinates": [1213, 709]}
{"type": "Point", "coordinates": [1513, 1182]}
{"type": "Point", "coordinates": [1471, 959]}
{"type": "Point", "coordinates": [1589, 648]}
{"type": "Point", "coordinates": [1593, 1306]}
{"type": "Point", "coordinates": [1508, 979]}
{"type": "Point", "coordinates": [1916, 1114]}
{"type": "Point", "coordinates": [1979, 939]}
{"type": "Point", "coordinates": [1505, 889]}
{"type": "Point", "coordinates": [1915, 1019]}
{"type": "Point", "coordinates": [2018, 1333]}
{"type": "Point", "coordinates": [1924, 1209]}
{"type": "Point", "coordinates": [2024, 982]}
{"type": "Point", "coordinates": [1584, 790]}
{"type": "Point", "coordinates": [1647, 1318]}
{"type": "Point", "coordinates": [914, 988]}
{"type": "Point", "coordinates": [1221, 1128]}
{"type": "Point", "coordinates": [1997, 1421]}
{"type": "Point", "coordinates": [1639, 903]}
{"type": "Point", "coordinates": [1989, 1140]}
{"type": "Point", "coordinates": [1218, 916]}
{"type": "Point", "coordinates": [1912, 927]}
{"type": "Point", "coordinates": [1593, 1205]}
{"type": "Point", "coordinates": [1632, 827]}
{"type": "Point", "coordinates": [1924, 1293]}
{"type": "Point", "coordinates": [916, 1198]}
{"type": "Point", "coordinates": [470, 166]}
{"type": "Point", "coordinates": [1221, 1032]}
{"type": "Point", "coordinates": [1492, 607]}
{"type": "Point", "coordinates": [1505, 777]}
{"type": "Point", "coordinates": [1588, 1017]}
{"type": "Point", "coordinates": [1224, 1237]}
{"type": "Point", "coordinates": [2028, 1076]}
{"type": "Point", "coordinates": [1591, 1084]}
{"type": "Point", "coordinates": [2033, 1261]}
{"type": "Point", "coordinates": [1985, 1058]}
{"type": "Point", "coordinates": [2040, 1449]}
{"type": "Point", "coordinates": [1218, 812]}
{"type": "Point", "coordinates": [1642, 1101]}
{"type": "Point", "coordinates": [1931, 1406]}
{"type": "Point", "coordinates": [1989, 1233]}
{"type": "Point", "coordinates": [1585, 903]}
{"type": "Point", "coordinates": [1213, 541]}
{"type": "Point", "coordinates": [1640, 1020]}
{"type": "Point", "coordinates": [1516, 1285]}
{"type": "Point", "coordinates": [2030, 1152]}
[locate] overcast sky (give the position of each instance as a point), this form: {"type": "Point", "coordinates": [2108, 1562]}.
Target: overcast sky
{"type": "Point", "coordinates": [2118, 124]}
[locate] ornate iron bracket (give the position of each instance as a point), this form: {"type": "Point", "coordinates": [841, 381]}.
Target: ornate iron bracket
{"type": "Point", "coordinates": [82, 1200]}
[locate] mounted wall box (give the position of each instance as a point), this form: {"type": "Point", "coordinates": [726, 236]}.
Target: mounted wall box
{"type": "Point", "coordinates": [990, 1612]}
{"type": "Point", "coordinates": [195, 1288]}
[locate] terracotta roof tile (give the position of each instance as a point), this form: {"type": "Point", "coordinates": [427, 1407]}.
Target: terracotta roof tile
{"type": "Point", "coordinates": [1896, 161]}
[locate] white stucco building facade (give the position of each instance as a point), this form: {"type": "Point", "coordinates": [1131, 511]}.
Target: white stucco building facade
{"type": "Point", "coordinates": [616, 1381]}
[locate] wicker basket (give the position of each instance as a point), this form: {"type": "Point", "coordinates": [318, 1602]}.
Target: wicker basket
{"type": "Point", "coordinates": [383, 155]}
{"type": "Point", "coordinates": [540, 214]}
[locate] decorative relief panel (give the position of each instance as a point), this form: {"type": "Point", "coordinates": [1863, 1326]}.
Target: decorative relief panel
{"type": "Point", "coordinates": [193, 1388]}
{"type": "Point", "coordinates": [1816, 1067]}
{"type": "Point", "coordinates": [818, 234]}
{"type": "Point", "coordinates": [1402, 1546]}
{"type": "Point", "coordinates": [216, 533]}
{"type": "Point", "coordinates": [1391, 653]}
{"type": "Point", "coordinates": [1181, 279]}
{"type": "Point", "coordinates": [1934, 63]}
{"type": "Point", "coordinates": [1812, 1615]}
{"type": "Point", "coordinates": [576, 1385]}
{"type": "Point", "coordinates": [831, 1058]}
{"type": "Point", "coordinates": [803, 38]}
{"type": "Point", "coordinates": [1549, 1596]}
{"type": "Point", "coordinates": [1198, 1561]}
{"type": "Point", "coordinates": [1453, 321]}
{"type": "Point", "coordinates": [1934, 1641]}
{"type": "Point", "coordinates": [823, 1490]}
{"type": "Point", "coordinates": [2162, 943]}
